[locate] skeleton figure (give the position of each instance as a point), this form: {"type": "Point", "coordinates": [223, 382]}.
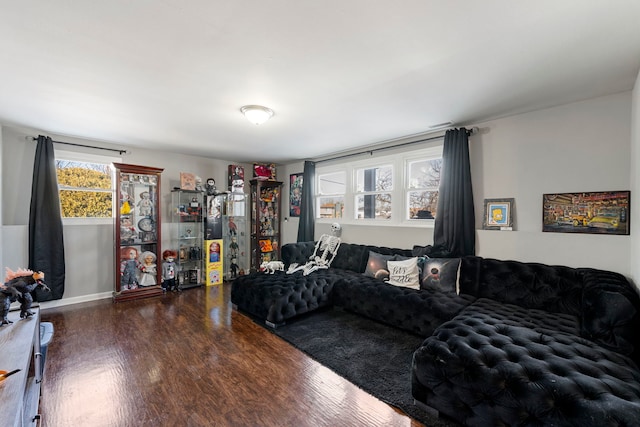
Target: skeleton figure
{"type": "Point", "coordinates": [328, 246]}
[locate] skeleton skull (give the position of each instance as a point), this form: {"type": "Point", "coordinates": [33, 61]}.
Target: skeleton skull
{"type": "Point", "coordinates": [336, 229]}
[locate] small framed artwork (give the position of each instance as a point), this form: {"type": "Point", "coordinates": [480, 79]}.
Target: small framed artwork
{"type": "Point", "coordinates": [187, 181]}
{"type": "Point", "coordinates": [601, 212]}
{"type": "Point", "coordinates": [295, 194]}
{"type": "Point", "coordinates": [498, 214]}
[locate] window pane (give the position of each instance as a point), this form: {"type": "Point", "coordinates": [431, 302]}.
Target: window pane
{"type": "Point", "coordinates": [379, 178]}
{"type": "Point", "coordinates": [332, 183]}
{"type": "Point", "coordinates": [83, 175]}
{"type": "Point", "coordinates": [85, 204]}
{"type": "Point", "coordinates": [376, 206]}
{"type": "Point", "coordinates": [331, 207]}
{"type": "Point", "coordinates": [425, 173]}
{"type": "Point", "coordinates": [422, 204]}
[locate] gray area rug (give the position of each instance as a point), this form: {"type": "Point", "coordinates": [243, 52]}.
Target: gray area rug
{"type": "Point", "coordinates": [373, 356]}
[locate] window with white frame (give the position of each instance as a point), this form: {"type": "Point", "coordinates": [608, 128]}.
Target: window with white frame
{"type": "Point", "coordinates": [374, 186]}
{"type": "Point", "coordinates": [400, 188]}
{"type": "Point", "coordinates": [85, 185]}
{"type": "Point", "coordinates": [423, 180]}
{"type": "Point", "coordinates": [331, 190]}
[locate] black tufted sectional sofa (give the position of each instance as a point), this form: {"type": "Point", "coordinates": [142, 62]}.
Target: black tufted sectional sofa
{"type": "Point", "coordinates": [523, 344]}
{"type": "Point", "coordinates": [540, 346]}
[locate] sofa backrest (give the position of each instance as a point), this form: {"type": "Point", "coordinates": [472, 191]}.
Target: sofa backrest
{"type": "Point", "coordinates": [350, 256]}
{"type": "Point", "coordinates": [556, 289]}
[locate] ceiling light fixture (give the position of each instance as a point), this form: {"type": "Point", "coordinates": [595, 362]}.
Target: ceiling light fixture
{"type": "Point", "coordinates": [257, 114]}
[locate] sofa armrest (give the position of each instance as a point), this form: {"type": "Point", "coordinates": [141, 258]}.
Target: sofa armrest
{"type": "Point", "coordinates": [297, 253]}
{"type": "Point", "coordinates": [611, 312]}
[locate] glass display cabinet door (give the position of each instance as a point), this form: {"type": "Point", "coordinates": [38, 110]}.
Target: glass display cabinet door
{"type": "Point", "coordinates": [137, 232]}
{"type": "Point", "coordinates": [265, 222]}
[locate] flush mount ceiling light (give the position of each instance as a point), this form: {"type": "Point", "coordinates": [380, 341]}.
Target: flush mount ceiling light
{"type": "Point", "coordinates": [256, 114]}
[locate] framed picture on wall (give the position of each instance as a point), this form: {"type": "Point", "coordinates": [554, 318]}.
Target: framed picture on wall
{"type": "Point", "coordinates": [295, 194]}
{"type": "Point", "coordinates": [601, 212]}
{"type": "Point", "coordinates": [498, 214]}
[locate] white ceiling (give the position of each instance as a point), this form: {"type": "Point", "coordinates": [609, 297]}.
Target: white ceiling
{"type": "Point", "coordinates": [173, 74]}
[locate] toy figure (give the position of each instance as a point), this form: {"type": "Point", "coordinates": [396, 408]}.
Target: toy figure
{"type": "Point", "coordinates": [169, 271]}
{"type": "Point", "coordinates": [234, 268]}
{"type": "Point", "coordinates": [18, 286]}
{"type": "Point", "coordinates": [148, 268]}
{"type": "Point", "coordinates": [125, 209]}
{"type": "Point", "coordinates": [214, 252]}
{"type": "Point", "coordinates": [328, 246]}
{"type": "Point", "coordinates": [233, 228]}
{"type": "Point", "coordinates": [233, 247]}
{"type": "Point", "coordinates": [129, 268]}
{"type": "Point", "coordinates": [211, 187]}
{"type": "Point", "coordinates": [127, 230]}
{"type": "Point", "coordinates": [236, 179]}
{"type": "Point", "coordinates": [145, 205]}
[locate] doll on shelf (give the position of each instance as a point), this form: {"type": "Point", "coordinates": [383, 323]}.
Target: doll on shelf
{"type": "Point", "coordinates": [233, 228]}
{"type": "Point", "coordinates": [169, 271]}
{"type": "Point", "coordinates": [145, 205]}
{"type": "Point", "coordinates": [233, 247]}
{"type": "Point", "coordinates": [125, 208]}
{"type": "Point", "coordinates": [234, 267]}
{"type": "Point", "coordinates": [214, 252]}
{"type": "Point", "coordinates": [148, 269]}
{"type": "Point", "coordinates": [129, 268]}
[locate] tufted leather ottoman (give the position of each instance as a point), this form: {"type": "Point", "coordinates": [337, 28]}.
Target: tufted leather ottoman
{"type": "Point", "coordinates": [277, 297]}
{"type": "Point", "coordinates": [499, 364]}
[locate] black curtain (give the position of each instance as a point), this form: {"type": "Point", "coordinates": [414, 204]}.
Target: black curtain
{"type": "Point", "coordinates": [46, 246]}
{"type": "Point", "coordinates": [306, 226]}
{"type": "Point", "coordinates": [455, 219]}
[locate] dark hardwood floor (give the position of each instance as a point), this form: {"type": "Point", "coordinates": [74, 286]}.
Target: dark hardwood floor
{"type": "Point", "coordinates": [190, 360]}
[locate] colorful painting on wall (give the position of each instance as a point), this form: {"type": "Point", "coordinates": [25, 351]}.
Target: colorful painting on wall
{"type": "Point", "coordinates": [602, 212]}
{"type": "Point", "coordinates": [295, 194]}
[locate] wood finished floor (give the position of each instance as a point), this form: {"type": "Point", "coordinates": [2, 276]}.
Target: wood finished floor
{"type": "Point", "coordinates": [190, 360]}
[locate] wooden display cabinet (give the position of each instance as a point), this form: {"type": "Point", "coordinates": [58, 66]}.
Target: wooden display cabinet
{"type": "Point", "coordinates": [265, 221]}
{"type": "Point", "coordinates": [138, 257]}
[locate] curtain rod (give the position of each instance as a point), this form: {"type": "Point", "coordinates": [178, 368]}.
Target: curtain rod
{"type": "Point", "coordinates": [403, 144]}
{"type": "Point", "coordinates": [32, 138]}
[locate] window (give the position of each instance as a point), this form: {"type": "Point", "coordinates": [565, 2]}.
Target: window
{"type": "Point", "coordinates": [423, 180]}
{"type": "Point", "coordinates": [392, 189]}
{"type": "Point", "coordinates": [331, 190]}
{"type": "Point", "coordinates": [373, 192]}
{"type": "Point", "coordinates": [85, 186]}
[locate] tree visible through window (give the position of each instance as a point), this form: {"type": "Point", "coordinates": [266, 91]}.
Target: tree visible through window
{"type": "Point", "coordinates": [85, 189]}
{"type": "Point", "coordinates": [375, 185]}
{"type": "Point", "coordinates": [422, 194]}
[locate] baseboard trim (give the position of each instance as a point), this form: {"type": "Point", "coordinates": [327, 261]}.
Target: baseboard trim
{"type": "Point", "coordinates": [74, 300]}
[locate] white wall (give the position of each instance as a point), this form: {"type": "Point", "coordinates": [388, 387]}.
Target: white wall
{"type": "Point", "coordinates": [89, 249]}
{"type": "Point", "coordinates": [578, 147]}
{"type": "Point", "coordinates": [634, 253]}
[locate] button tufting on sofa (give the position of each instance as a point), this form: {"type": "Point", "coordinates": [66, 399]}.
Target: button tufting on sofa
{"type": "Point", "coordinates": [522, 344]}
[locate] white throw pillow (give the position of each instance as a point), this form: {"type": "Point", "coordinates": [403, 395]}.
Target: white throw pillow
{"type": "Point", "coordinates": [404, 273]}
